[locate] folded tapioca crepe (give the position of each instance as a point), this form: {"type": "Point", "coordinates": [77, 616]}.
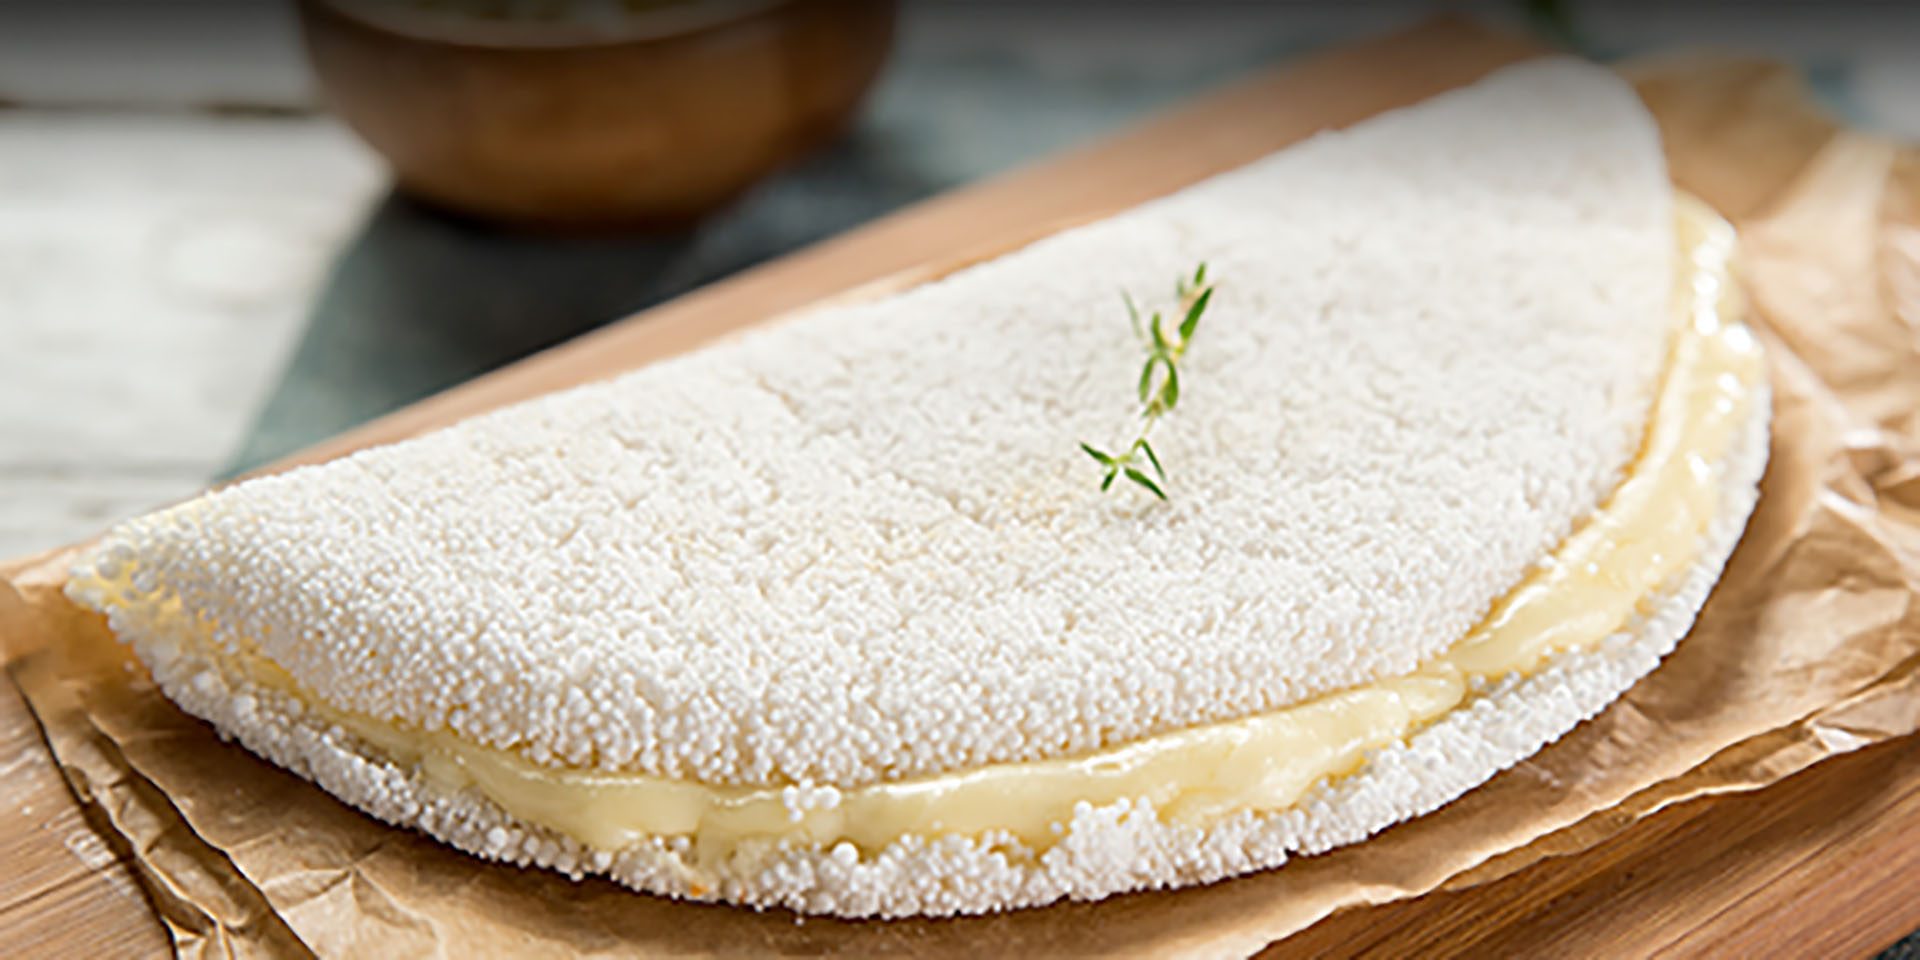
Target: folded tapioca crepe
{"type": "Point", "coordinates": [835, 615]}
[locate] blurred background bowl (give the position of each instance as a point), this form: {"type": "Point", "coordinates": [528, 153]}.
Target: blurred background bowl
{"type": "Point", "coordinates": [655, 115]}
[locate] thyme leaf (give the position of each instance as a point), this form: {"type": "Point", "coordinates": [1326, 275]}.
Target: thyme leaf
{"type": "Point", "coordinates": [1158, 394]}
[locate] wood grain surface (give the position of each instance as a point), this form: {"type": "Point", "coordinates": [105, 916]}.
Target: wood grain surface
{"type": "Point", "coordinates": [1822, 864]}
{"type": "Point", "coordinates": [63, 891]}
{"type": "Point", "coordinates": [1826, 863]}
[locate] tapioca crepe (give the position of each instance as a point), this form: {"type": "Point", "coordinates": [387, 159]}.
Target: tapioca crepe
{"type": "Point", "coordinates": [834, 616]}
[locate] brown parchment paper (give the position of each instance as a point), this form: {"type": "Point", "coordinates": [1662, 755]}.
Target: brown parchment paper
{"type": "Point", "coordinates": [1808, 648]}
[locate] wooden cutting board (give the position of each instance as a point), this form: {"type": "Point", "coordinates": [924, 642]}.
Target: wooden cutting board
{"type": "Point", "coordinates": [1826, 863]}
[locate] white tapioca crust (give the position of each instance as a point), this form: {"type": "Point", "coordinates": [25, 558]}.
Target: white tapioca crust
{"type": "Point", "coordinates": [846, 546]}
{"type": "Point", "coordinates": [1104, 850]}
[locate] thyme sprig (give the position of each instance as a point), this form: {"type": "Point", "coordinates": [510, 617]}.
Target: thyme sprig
{"type": "Point", "coordinates": [1159, 386]}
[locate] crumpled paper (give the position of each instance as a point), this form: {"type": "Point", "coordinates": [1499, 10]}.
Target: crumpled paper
{"type": "Point", "coordinates": [1809, 648]}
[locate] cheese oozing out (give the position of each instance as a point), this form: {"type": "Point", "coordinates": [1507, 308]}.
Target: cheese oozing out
{"type": "Point", "coordinates": [1594, 585]}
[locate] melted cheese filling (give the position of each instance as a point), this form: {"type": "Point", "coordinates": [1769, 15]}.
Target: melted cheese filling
{"type": "Point", "coordinates": [1591, 587]}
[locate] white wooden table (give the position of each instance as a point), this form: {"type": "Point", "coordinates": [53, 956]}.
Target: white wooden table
{"type": "Point", "coordinates": [153, 268]}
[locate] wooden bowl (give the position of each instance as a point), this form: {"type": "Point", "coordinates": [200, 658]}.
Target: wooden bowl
{"type": "Point", "coordinates": [656, 119]}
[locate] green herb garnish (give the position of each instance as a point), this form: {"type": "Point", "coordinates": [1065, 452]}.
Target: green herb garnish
{"type": "Point", "coordinates": [1159, 387]}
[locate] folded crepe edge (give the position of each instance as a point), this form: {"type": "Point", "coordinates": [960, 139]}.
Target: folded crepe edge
{"type": "Point", "coordinates": [1106, 850]}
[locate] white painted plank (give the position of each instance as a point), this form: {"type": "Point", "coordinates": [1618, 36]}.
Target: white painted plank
{"type": "Point", "coordinates": [154, 269]}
